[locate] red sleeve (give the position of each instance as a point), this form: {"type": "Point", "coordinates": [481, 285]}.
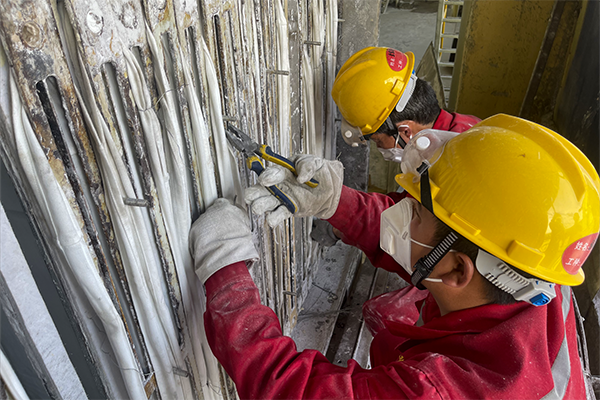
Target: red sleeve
{"type": "Point", "coordinates": [246, 338]}
{"type": "Point", "coordinates": [358, 217]}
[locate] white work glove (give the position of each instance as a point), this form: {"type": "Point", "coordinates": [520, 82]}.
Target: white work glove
{"type": "Point", "coordinates": [220, 237]}
{"type": "Point", "coordinates": [320, 202]}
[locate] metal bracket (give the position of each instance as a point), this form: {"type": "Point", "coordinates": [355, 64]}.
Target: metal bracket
{"type": "Point", "coordinates": [278, 72]}
{"type": "Point", "coordinates": [128, 201]}
{"type": "Point", "coordinates": [180, 372]}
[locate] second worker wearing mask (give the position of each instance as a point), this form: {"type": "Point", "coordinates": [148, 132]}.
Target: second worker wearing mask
{"type": "Point", "coordinates": [381, 99]}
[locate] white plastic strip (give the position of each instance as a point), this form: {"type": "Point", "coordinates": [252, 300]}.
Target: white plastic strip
{"type": "Point", "coordinates": [173, 193]}
{"type": "Point", "coordinates": [200, 139]}
{"type": "Point", "coordinates": [11, 380]}
{"type": "Point", "coordinates": [30, 316]}
{"type": "Point", "coordinates": [175, 153]}
{"type": "Point", "coordinates": [70, 241]}
{"type": "Point", "coordinates": [283, 81]}
{"type": "Point", "coordinates": [226, 165]}
{"type": "Point", "coordinates": [308, 105]}
{"type": "Point", "coordinates": [200, 136]}
{"type": "Point", "coordinates": [138, 251]}
{"type": "Point", "coordinates": [331, 57]}
{"type": "Point", "coordinates": [318, 35]}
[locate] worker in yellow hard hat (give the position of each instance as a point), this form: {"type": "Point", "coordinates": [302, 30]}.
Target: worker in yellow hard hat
{"type": "Point", "coordinates": [380, 98]}
{"type": "Point", "coordinates": [500, 221]}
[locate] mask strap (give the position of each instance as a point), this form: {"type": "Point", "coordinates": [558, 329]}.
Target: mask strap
{"type": "Point", "coordinates": [426, 245]}
{"type": "Point", "coordinates": [399, 139]}
{"type": "Point", "coordinates": [392, 131]}
{"type": "Point", "coordinates": [424, 267]}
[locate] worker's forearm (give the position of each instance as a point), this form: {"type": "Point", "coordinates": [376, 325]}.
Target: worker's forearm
{"type": "Point", "coordinates": [246, 338]}
{"type": "Point", "coordinates": [234, 320]}
{"type": "Point", "coordinates": [358, 218]}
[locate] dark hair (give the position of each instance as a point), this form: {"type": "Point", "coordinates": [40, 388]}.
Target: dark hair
{"type": "Point", "coordinates": [422, 107]}
{"type": "Point", "coordinates": [493, 293]}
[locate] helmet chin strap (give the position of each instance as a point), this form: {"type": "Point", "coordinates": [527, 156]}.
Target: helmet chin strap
{"type": "Point", "coordinates": [426, 199]}
{"type": "Point", "coordinates": [424, 267]}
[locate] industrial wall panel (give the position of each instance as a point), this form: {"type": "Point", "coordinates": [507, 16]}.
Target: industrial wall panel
{"type": "Point", "coordinates": [112, 127]}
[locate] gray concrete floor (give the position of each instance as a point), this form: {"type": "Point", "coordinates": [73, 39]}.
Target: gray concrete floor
{"type": "Point", "coordinates": [409, 28]}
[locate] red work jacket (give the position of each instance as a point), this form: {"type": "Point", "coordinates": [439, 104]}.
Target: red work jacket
{"type": "Point", "coordinates": [454, 122]}
{"type": "Point", "coordinates": [492, 351]}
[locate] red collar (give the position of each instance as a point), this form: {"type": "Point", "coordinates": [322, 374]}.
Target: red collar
{"type": "Point", "coordinates": [443, 121]}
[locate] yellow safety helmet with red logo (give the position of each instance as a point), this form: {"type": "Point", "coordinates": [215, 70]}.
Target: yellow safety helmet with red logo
{"type": "Point", "coordinates": [516, 189]}
{"type": "Point", "coordinates": [370, 84]}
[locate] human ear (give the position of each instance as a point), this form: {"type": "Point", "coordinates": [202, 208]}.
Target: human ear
{"type": "Point", "coordinates": [462, 271]}
{"type": "Point", "coordinates": [405, 131]}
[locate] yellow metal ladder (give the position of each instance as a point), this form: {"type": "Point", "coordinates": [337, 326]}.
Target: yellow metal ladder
{"type": "Point", "coordinates": [446, 39]}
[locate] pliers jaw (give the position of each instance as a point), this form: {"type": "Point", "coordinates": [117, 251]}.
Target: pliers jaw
{"type": "Point", "coordinates": [241, 141]}
{"type": "Point", "coordinates": [251, 151]}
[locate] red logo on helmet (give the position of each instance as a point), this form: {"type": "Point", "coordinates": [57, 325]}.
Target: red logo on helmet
{"type": "Point", "coordinates": [575, 255]}
{"type": "Point", "coordinates": [396, 60]}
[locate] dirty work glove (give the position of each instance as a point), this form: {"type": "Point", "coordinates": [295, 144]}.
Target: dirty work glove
{"type": "Point", "coordinates": [220, 237]}
{"type": "Point", "coordinates": [321, 201]}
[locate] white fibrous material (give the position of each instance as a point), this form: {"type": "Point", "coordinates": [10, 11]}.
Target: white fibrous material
{"type": "Point", "coordinates": [172, 191]}
{"type": "Point", "coordinates": [141, 261]}
{"type": "Point", "coordinates": [318, 32]}
{"type": "Point", "coordinates": [10, 379]}
{"type": "Point", "coordinates": [171, 154]}
{"type": "Point", "coordinates": [308, 104]}
{"type": "Point", "coordinates": [331, 57]}
{"type": "Point", "coordinates": [178, 220]}
{"type": "Point", "coordinates": [283, 81]}
{"type": "Point", "coordinates": [70, 242]}
{"type": "Point", "coordinates": [200, 140]}
{"type": "Point", "coordinates": [226, 165]}
{"type": "Point", "coordinates": [209, 371]}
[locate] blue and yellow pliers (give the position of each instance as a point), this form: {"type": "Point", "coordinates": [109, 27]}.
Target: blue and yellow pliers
{"type": "Point", "coordinates": [252, 151]}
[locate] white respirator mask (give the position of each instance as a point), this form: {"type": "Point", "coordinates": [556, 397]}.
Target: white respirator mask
{"type": "Point", "coordinates": [395, 153]}
{"type": "Point", "coordinates": [395, 234]}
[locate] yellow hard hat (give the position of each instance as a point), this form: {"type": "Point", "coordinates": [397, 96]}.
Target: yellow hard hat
{"type": "Point", "coordinates": [370, 84]}
{"type": "Point", "coordinates": [518, 191]}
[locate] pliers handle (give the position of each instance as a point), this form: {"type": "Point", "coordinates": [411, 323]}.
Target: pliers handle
{"type": "Point", "coordinates": [255, 164]}
{"type": "Point", "coordinates": [269, 155]}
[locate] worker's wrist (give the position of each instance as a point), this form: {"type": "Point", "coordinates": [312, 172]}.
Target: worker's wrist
{"type": "Point", "coordinates": [342, 205]}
